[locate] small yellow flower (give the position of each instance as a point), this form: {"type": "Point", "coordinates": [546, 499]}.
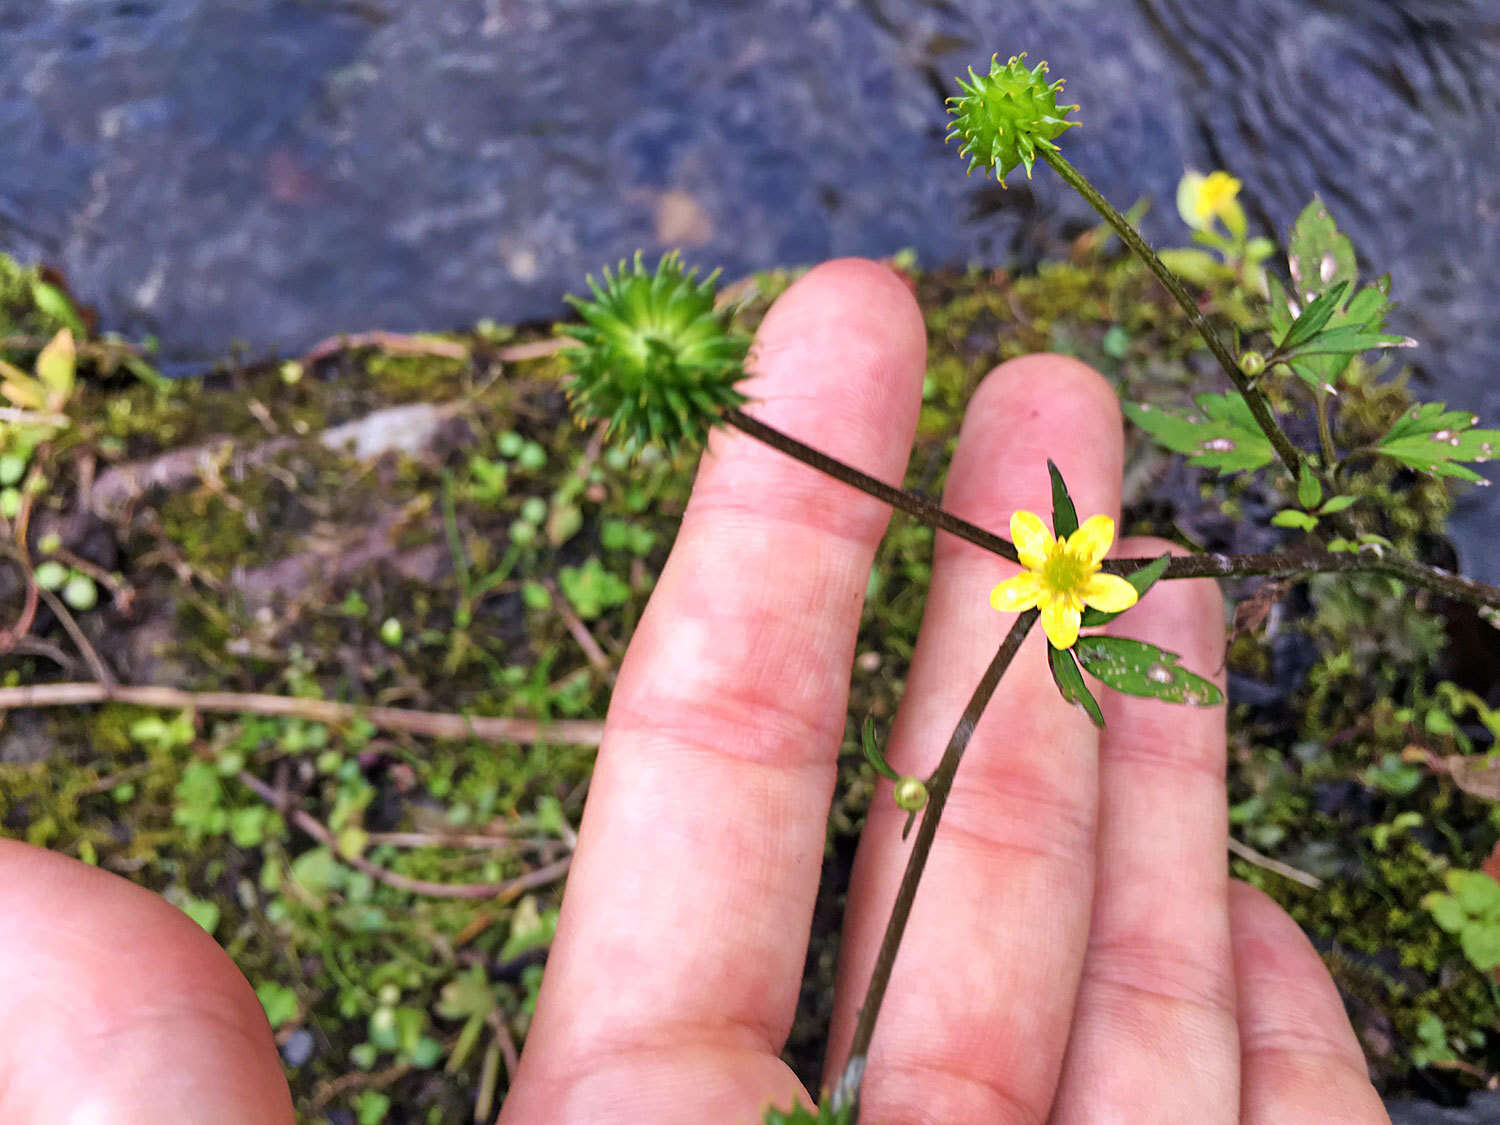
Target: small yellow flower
{"type": "Point", "coordinates": [1202, 199]}
{"type": "Point", "coordinates": [1062, 576]}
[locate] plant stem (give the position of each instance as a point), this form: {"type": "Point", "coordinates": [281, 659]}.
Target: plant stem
{"type": "Point", "coordinates": [939, 785]}
{"type": "Point", "coordinates": [919, 506]}
{"type": "Point", "coordinates": [1288, 453]}
{"type": "Point", "coordinates": [1325, 434]}
{"type": "Point", "coordinates": [1278, 563]}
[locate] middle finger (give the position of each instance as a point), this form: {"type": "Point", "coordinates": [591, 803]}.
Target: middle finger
{"type": "Point", "coordinates": [976, 1018]}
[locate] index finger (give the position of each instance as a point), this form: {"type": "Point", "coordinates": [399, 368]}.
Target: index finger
{"type": "Point", "coordinates": [680, 948]}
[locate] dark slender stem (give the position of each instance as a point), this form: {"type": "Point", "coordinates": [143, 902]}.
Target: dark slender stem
{"type": "Point", "coordinates": [939, 785]}
{"type": "Point", "coordinates": [1288, 453]}
{"type": "Point", "coordinates": [1278, 564]}
{"type": "Point", "coordinates": [924, 509]}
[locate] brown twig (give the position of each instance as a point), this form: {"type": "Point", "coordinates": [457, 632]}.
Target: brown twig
{"type": "Point", "coordinates": [320, 832]}
{"type": "Point", "coordinates": [85, 648]}
{"type": "Point", "coordinates": [1285, 870]}
{"type": "Point", "coordinates": [120, 591]}
{"type": "Point", "coordinates": [576, 627]}
{"type": "Point", "coordinates": [12, 636]}
{"type": "Point", "coordinates": [398, 342]}
{"type": "Point", "coordinates": [537, 349]}
{"type": "Point", "coordinates": [358, 1080]}
{"type": "Point", "coordinates": [433, 724]}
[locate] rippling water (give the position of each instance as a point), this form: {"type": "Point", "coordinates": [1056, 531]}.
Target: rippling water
{"type": "Point", "coordinates": [215, 171]}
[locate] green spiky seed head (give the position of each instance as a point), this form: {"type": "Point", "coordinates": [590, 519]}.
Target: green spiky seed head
{"type": "Point", "coordinates": [654, 357]}
{"type": "Point", "coordinates": [1005, 116]}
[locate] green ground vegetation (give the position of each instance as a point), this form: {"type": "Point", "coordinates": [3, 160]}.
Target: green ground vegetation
{"type": "Point", "coordinates": [497, 567]}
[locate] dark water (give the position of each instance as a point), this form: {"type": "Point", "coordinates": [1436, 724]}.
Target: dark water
{"type": "Point", "coordinates": [221, 170]}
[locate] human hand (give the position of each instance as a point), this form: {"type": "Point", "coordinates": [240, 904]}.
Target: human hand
{"type": "Point", "coordinates": [1077, 951]}
{"type": "Point", "coordinates": [1035, 979]}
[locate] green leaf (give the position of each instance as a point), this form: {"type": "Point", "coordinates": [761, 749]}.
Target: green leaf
{"type": "Point", "coordinates": [1319, 255]}
{"type": "Point", "coordinates": [1445, 911]}
{"type": "Point", "coordinates": [279, 1001]}
{"type": "Point", "coordinates": [1196, 266]}
{"type": "Point", "coordinates": [1336, 504]}
{"type": "Point", "coordinates": [800, 1115]}
{"type": "Point", "coordinates": [1142, 580]}
{"type": "Point", "coordinates": [317, 871]}
{"type": "Point", "coordinates": [1290, 517]}
{"type": "Point", "coordinates": [1349, 339]}
{"type": "Point", "coordinates": [873, 753]}
{"type": "Point", "coordinates": [1070, 683]}
{"type": "Point", "coordinates": [530, 928]}
{"type": "Point", "coordinates": [1475, 891]}
{"type": "Point", "coordinates": [1481, 945]}
{"type": "Point", "coordinates": [52, 302]}
{"type": "Point", "coordinates": [56, 365]}
{"type": "Point", "coordinates": [1313, 318]}
{"type": "Point", "coordinates": [204, 911]}
{"type": "Point", "coordinates": [1309, 489]}
{"type": "Point", "coordinates": [1222, 435]}
{"type": "Point", "coordinates": [1430, 438]}
{"type": "Point", "coordinates": [1137, 668]}
{"type": "Point", "coordinates": [1064, 515]}
{"type": "Point", "coordinates": [1278, 308]}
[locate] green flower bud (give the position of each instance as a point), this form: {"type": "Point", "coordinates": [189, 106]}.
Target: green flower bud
{"type": "Point", "coordinates": [911, 795]}
{"type": "Point", "coordinates": [1252, 363]}
{"type": "Point", "coordinates": [1005, 116]}
{"type": "Point", "coordinates": [391, 632]}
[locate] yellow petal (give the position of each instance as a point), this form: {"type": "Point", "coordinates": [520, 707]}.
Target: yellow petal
{"type": "Point", "coordinates": [1031, 538]}
{"type": "Point", "coordinates": [1018, 593]}
{"type": "Point", "coordinates": [1091, 541]}
{"type": "Point", "coordinates": [1109, 593]}
{"type": "Point", "coordinates": [1060, 622]}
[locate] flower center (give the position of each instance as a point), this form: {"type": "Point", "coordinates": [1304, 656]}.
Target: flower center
{"type": "Point", "coordinates": [1064, 571]}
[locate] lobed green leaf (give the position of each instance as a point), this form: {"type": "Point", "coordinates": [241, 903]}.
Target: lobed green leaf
{"type": "Point", "coordinates": [1222, 436]}
{"type": "Point", "coordinates": [1431, 439]}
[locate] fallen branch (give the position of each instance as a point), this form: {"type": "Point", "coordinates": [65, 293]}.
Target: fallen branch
{"type": "Point", "coordinates": [433, 724]}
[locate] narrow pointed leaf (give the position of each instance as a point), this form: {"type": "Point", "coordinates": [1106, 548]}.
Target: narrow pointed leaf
{"type": "Point", "coordinates": [1313, 318]}
{"type": "Point", "coordinates": [873, 753]}
{"type": "Point", "coordinates": [1070, 683]}
{"type": "Point", "coordinates": [1309, 488]}
{"type": "Point", "coordinates": [55, 367]}
{"type": "Point", "coordinates": [1064, 515]}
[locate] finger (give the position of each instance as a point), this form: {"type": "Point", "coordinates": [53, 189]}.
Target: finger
{"type": "Point", "coordinates": [976, 1017]}
{"type": "Point", "coordinates": [119, 1008]}
{"type": "Point", "coordinates": [1300, 1058]}
{"type": "Point", "coordinates": [1158, 977]}
{"type": "Point", "coordinates": [680, 948]}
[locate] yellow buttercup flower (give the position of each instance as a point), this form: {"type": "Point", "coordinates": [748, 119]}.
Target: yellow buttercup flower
{"type": "Point", "coordinates": [1202, 199]}
{"type": "Point", "coordinates": [1062, 576]}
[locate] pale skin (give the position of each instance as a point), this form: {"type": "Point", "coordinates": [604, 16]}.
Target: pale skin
{"type": "Point", "coordinates": [1077, 953]}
